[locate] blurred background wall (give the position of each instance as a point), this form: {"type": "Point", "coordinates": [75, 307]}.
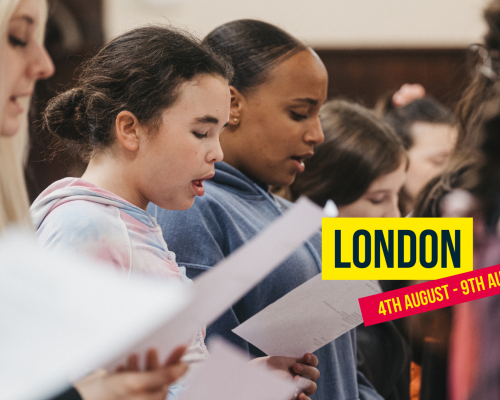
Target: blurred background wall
{"type": "Point", "coordinates": [321, 23]}
{"type": "Point", "coordinates": [370, 47]}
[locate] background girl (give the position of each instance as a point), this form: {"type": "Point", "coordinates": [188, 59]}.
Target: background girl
{"type": "Point", "coordinates": [361, 165]}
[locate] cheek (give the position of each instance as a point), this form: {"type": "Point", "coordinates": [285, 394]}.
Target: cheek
{"type": "Point", "coordinates": [13, 70]}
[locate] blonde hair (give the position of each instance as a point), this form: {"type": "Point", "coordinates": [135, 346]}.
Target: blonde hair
{"type": "Point", "coordinates": [14, 202]}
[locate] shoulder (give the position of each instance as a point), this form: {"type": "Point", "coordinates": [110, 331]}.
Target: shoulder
{"type": "Point", "coordinates": [88, 228]}
{"type": "Point", "coordinates": [81, 216]}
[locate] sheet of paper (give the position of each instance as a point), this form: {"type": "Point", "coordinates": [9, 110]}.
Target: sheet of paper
{"type": "Point", "coordinates": [62, 316]}
{"type": "Point", "coordinates": [216, 290]}
{"type": "Point", "coordinates": [307, 318]}
{"type": "Point", "coordinates": [227, 375]}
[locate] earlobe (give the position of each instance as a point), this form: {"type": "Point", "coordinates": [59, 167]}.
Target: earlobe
{"type": "Point", "coordinates": [128, 130]}
{"type": "Point", "coordinates": [236, 106]}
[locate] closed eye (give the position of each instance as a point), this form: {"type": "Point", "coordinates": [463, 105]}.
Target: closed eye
{"type": "Point", "coordinates": [200, 135]}
{"type": "Point", "coordinates": [297, 116]}
{"type": "Point", "coordinates": [15, 41]}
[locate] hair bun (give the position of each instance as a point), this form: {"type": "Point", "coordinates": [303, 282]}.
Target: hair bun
{"type": "Point", "coordinates": [65, 116]}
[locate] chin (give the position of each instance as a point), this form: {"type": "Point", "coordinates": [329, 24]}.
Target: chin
{"type": "Point", "coordinates": [10, 127]}
{"type": "Point", "coordinates": [284, 181]}
{"type": "Point", "coordinates": [179, 205]}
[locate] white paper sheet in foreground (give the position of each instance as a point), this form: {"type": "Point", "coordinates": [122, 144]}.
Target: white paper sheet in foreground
{"type": "Point", "coordinates": [308, 317]}
{"type": "Point", "coordinates": [62, 316]}
{"type": "Point", "coordinates": [227, 375]}
{"type": "Point", "coordinates": [216, 290]}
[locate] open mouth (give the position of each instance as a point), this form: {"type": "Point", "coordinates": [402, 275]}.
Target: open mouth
{"type": "Point", "coordinates": [197, 185]}
{"type": "Point", "coordinates": [299, 161]}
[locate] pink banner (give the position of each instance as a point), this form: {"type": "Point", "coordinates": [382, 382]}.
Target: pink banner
{"type": "Point", "coordinates": [430, 295]}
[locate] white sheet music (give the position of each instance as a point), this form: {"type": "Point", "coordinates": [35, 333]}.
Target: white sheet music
{"type": "Point", "coordinates": [62, 316]}
{"type": "Point", "coordinates": [308, 317]}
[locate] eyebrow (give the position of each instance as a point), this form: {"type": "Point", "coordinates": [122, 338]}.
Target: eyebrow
{"type": "Point", "coordinates": [207, 119]}
{"type": "Point", "coordinates": [26, 18]}
{"type": "Point", "coordinates": [308, 101]}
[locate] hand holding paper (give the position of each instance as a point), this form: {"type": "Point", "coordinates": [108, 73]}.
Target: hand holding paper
{"type": "Point", "coordinates": [308, 317]}
{"type": "Point", "coordinates": [303, 369]}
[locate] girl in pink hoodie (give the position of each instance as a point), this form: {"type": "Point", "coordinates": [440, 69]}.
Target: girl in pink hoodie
{"type": "Point", "coordinates": [147, 112]}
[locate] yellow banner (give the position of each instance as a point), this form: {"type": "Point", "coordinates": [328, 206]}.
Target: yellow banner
{"type": "Point", "coordinates": [396, 248]}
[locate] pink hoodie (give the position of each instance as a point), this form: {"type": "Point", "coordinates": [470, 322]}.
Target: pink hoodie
{"type": "Point", "coordinates": [81, 217]}
{"type": "Point", "coordinates": [73, 214]}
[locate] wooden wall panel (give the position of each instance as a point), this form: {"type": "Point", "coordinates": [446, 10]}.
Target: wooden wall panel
{"type": "Point", "coordinates": [365, 75]}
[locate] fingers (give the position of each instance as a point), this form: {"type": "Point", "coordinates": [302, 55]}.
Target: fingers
{"type": "Point", "coordinates": [280, 363]}
{"type": "Point", "coordinates": [306, 385]}
{"type": "Point", "coordinates": [303, 396]}
{"type": "Point", "coordinates": [132, 363]}
{"type": "Point", "coordinates": [174, 372]}
{"type": "Point", "coordinates": [306, 371]}
{"type": "Point", "coordinates": [152, 362]}
{"type": "Point", "coordinates": [139, 382]}
{"type": "Point", "coordinates": [309, 359]}
{"type": "Point", "coordinates": [176, 355]}
{"type": "Point", "coordinates": [408, 93]}
{"type": "Point", "coordinates": [174, 367]}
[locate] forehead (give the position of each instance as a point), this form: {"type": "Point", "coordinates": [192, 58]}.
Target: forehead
{"type": "Point", "coordinates": [301, 76]}
{"type": "Point", "coordinates": [205, 94]}
{"type": "Point", "coordinates": [28, 11]}
{"type": "Point", "coordinates": [433, 136]}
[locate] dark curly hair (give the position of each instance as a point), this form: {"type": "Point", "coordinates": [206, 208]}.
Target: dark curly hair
{"type": "Point", "coordinates": [140, 71]}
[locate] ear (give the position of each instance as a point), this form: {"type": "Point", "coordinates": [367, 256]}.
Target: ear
{"type": "Point", "coordinates": [237, 100]}
{"type": "Point", "coordinates": [128, 130]}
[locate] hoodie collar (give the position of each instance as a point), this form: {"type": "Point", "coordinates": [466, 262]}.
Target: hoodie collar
{"type": "Point", "coordinates": [227, 175]}
{"type": "Point", "coordinates": [71, 189]}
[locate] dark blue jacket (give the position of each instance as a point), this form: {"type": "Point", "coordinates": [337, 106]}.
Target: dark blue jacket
{"type": "Point", "coordinates": [232, 211]}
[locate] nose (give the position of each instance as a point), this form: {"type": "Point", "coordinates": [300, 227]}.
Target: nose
{"type": "Point", "coordinates": [314, 134]}
{"type": "Point", "coordinates": [41, 65]}
{"type": "Point", "coordinates": [215, 153]}
{"type": "Point", "coordinates": [392, 210]}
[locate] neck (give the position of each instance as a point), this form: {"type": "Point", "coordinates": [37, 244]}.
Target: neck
{"type": "Point", "coordinates": [112, 174]}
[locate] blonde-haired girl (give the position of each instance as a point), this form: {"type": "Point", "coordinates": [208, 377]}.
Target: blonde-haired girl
{"type": "Point", "coordinates": [23, 61]}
